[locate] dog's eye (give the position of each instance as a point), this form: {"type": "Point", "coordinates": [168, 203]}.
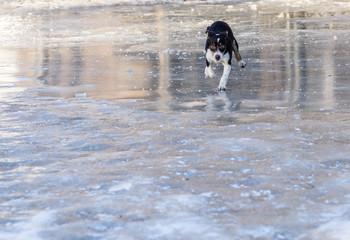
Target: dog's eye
{"type": "Point", "coordinates": [212, 47]}
{"type": "Point", "coordinates": [222, 47]}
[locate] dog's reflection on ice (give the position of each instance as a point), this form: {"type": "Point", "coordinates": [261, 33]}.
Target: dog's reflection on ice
{"type": "Point", "coordinates": [221, 102]}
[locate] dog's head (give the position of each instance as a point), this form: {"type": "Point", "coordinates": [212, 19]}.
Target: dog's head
{"type": "Point", "coordinates": [218, 44]}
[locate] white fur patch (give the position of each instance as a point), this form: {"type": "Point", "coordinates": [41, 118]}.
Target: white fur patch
{"type": "Point", "coordinates": [225, 75]}
{"type": "Point", "coordinates": [224, 58]}
{"type": "Point", "coordinates": [211, 57]}
{"type": "Point", "coordinates": [242, 64]}
{"type": "Point", "coordinates": [209, 72]}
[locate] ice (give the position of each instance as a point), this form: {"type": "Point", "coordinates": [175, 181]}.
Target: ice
{"type": "Point", "coordinates": [336, 229]}
{"type": "Point", "coordinates": [109, 129]}
{"type": "Point", "coordinates": [29, 229]}
{"type": "Point", "coordinates": [262, 194]}
{"type": "Point", "coordinates": [120, 187]}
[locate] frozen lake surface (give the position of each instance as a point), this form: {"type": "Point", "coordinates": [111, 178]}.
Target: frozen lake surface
{"type": "Point", "coordinates": [109, 130]}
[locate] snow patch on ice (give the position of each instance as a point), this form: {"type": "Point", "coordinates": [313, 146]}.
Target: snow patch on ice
{"type": "Point", "coordinates": [120, 187]}
{"type": "Point", "coordinates": [337, 230]}
{"type": "Point", "coordinates": [209, 194]}
{"type": "Point", "coordinates": [32, 228]}
{"type": "Point", "coordinates": [259, 194]}
{"type": "Point", "coordinates": [187, 226]}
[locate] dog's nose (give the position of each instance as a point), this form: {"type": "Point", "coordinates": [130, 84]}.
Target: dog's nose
{"type": "Point", "coordinates": [217, 57]}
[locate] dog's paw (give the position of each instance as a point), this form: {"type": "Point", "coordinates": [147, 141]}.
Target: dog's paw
{"type": "Point", "coordinates": [242, 64]}
{"type": "Point", "coordinates": [212, 75]}
{"type": "Point", "coordinates": [221, 89]}
{"type": "Point", "coordinates": [209, 72]}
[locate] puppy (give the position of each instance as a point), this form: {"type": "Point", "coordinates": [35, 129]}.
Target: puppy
{"type": "Point", "coordinates": [219, 47]}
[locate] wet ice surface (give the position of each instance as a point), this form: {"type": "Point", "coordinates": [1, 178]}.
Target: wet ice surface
{"type": "Point", "coordinates": [109, 129]}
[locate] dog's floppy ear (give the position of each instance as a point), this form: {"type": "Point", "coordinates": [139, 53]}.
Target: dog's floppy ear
{"type": "Point", "coordinates": [210, 33]}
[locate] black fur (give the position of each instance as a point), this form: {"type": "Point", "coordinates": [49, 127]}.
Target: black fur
{"type": "Point", "coordinates": [223, 31]}
{"type": "Point", "coordinates": [219, 48]}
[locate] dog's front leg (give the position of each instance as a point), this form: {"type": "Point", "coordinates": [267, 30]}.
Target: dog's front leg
{"type": "Point", "coordinates": [209, 72]}
{"type": "Point", "coordinates": [223, 80]}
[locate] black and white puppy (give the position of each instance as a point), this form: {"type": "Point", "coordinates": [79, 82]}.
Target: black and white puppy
{"type": "Point", "coordinates": [219, 47]}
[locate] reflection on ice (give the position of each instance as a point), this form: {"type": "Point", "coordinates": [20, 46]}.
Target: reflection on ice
{"type": "Point", "coordinates": [109, 129]}
{"type": "Point", "coordinates": [160, 59]}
